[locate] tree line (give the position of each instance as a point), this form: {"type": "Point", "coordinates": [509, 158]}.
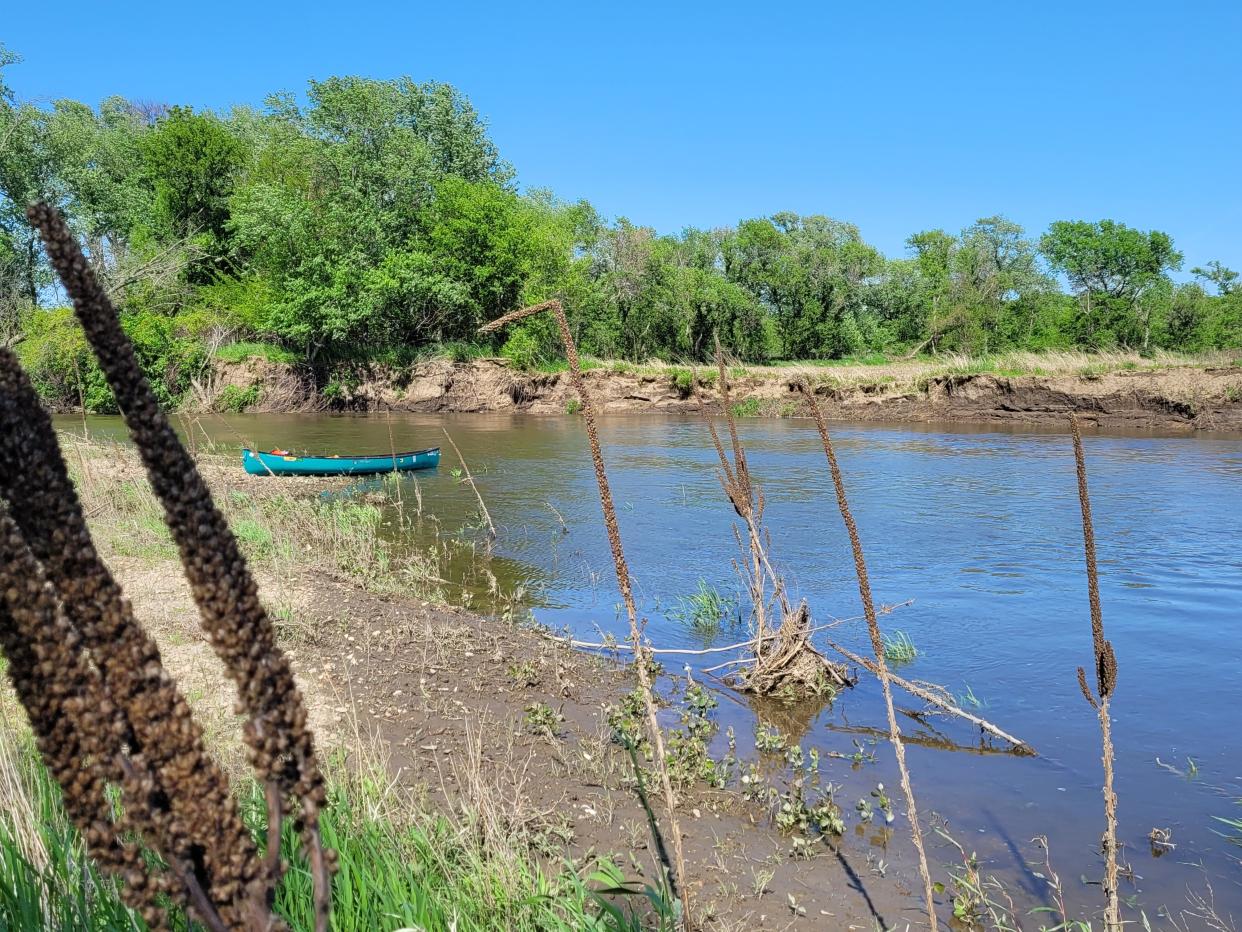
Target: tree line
{"type": "Point", "coordinates": [378, 221]}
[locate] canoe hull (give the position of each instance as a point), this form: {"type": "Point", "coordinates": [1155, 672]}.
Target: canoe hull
{"type": "Point", "coordinates": [272, 464]}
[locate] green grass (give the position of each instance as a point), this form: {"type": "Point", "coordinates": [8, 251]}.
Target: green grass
{"type": "Point", "coordinates": [251, 349]}
{"type": "Point", "coordinates": [398, 868]}
{"type": "Point", "coordinates": [899, 648]}
{"type": "Point", "coordinates": [704, 610]}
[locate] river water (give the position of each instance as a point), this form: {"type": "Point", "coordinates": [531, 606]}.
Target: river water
{"type": "Point", "coordinates": [981, 529]}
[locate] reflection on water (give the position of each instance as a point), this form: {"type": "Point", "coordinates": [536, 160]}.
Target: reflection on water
{"type": "Point", "coordinates": [979, 527]}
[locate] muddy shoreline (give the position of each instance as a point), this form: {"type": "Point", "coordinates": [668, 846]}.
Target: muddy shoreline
{"type": "Point", "coordinates": [501, 725]}
{"type": "Point", "coordinates": [1177, 398]}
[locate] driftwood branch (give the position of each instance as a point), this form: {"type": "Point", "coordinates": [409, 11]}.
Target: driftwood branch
{"type": "Point", "coordinates": [694, 652]}
{"type": "Point", "coordinates": [932, 699]}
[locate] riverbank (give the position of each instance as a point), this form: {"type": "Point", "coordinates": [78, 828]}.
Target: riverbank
{"type": "Point", "coordinates": [1117, 390]}
{"type": "Point", "coordinates": [492, 728]}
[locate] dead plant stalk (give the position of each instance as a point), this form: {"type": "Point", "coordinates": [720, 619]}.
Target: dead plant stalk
{"type": "Point", "coordinates": [1106, 682]}
{"type": "Point", "coordinates": [677, 872]}
{"type": "Point", "coordinates": [487, 516]}
{"type": "Point", "coordinates": [877, 645]}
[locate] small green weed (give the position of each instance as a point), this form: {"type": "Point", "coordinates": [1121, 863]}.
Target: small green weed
{"type": "Point", "coordinates": [769, 740]}
{"type": "Point", "coordinates": [748, 407]}
{"type": "Point", "coordinates": [524, 674]}
{"type": "Point", "coordinates": [541, 720]}
{"type": "Point", "coordinates": [899, 649]}
{"type": "Point", "coordinates": [969, 698]}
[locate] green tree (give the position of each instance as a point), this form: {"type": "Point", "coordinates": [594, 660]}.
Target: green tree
{"type": "Point", "coordinates": [193, 160]}
{"type": "Point", "coordinates": [1113, 268]}
{"type": "Point", "coordinates": [98, 161]}
{"type": "Point", "coordinates": [1225, 279]}
{"type": "Point", "coordinates": [25, 175]}
{"type": "Point", "coordinates": [813, 274]}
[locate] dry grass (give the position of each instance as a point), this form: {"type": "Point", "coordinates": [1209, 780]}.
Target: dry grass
{"type": "Point", "coordinates": [903, 370]}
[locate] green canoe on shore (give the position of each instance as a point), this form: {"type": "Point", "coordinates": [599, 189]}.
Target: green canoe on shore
{"type": "Point", "coordinates": [258, 463]}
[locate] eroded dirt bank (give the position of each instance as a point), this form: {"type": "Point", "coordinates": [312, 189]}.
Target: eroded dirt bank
{"type": "Point", "coordinates": [1178, 397]}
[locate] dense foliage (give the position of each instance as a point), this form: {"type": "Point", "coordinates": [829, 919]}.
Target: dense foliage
{"type": "Point", "coordinates": [378, 221]}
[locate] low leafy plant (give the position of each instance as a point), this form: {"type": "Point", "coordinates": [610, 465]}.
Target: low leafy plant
{"type": "Point", "coordinates": [541, 720]}
{"type": "Point", "coordinates": [748, 407]}
{"type": "Point", "coordinates": [523, 674]}
{"type": "Point", "coordinates": [236, 399]}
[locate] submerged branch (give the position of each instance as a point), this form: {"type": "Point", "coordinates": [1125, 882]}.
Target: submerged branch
{"type": "Point", "coordinates": [930, 697]}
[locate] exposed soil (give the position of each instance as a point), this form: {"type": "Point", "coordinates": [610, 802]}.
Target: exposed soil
{"type": "Point", "coordinates": [1174, 397]}
{"type": "Point", "coordinates": [447, 690]}
{"type": "Point", "coordinates": [443, 694]}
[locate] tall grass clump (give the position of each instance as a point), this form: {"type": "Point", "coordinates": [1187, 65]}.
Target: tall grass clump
{"type": "Point", "coordinates": [705, 609]}
{"type": "Point", "coordinates": [898, 648]}
{"type": "Point", "coordinates": [398, 867]}
{"type": "Point", "coordinates": [878, 648]}
{"type": "Point", "coordinates": [642, 656]}
{"type": "Point", "coordinates": [1105, 684]}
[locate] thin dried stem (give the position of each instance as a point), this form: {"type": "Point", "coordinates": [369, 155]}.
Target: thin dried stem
{"type": "Point", "coordinates": [491, 528]}
{"type": "Point", "coordinates": [1106, 682]}
{"type": "Point", "coordinates": [735, 478]}
{"type": "Point", "coordinates": [877, 645]}
{"type": "Point", "coordinates": [677, 872]}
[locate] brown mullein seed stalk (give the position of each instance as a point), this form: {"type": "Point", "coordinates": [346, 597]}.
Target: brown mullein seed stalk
{"type": "Point", "coordinates": [1106, 683]}
{"type": "Point", "coordinates": [192, 817]}
{"type": "Point", "coordinates": [642, 657]}
{"type": "Point", "coordinates": [71, 718]}
{"type": "Point", "coordinates": [877, 646]}
{"type": "Point", "coordinates": [281, 745]}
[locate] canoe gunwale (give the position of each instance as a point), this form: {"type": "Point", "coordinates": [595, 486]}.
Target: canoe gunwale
{"type": "Point", "coordinates": [285, 457]}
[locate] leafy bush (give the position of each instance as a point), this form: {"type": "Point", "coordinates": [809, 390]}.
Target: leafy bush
{"type": "Point", "coordinates": [748, 407]}
{"type": "Point", "coordinates": [522, 349]}
{"type": "Point", "coordinates": [236, 399]}
{"type": "Point", "coordinates": [55, 354]}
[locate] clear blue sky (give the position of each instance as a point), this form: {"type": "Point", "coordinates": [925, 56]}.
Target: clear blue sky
{"type": "Point", "coordinates": [896, 116]}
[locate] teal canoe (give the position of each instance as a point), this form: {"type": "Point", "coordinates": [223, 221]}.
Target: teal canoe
{"type": "Point", "coordinates": [283, 464]}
